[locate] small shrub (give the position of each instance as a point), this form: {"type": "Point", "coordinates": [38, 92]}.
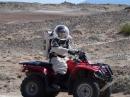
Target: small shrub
{"type": "Point", "coordinates": [127, 8]}
{"type": "Point", "coordinates": [125, 29]}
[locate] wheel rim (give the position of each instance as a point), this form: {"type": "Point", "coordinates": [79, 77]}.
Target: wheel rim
{"type": "Point", "coordinates": [84, 90]}
{"type": "Point", "coordinates": [31, 88]}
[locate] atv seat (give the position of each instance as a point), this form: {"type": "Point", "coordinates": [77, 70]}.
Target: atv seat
{"type": "Point", "coordinates": [37, 63]}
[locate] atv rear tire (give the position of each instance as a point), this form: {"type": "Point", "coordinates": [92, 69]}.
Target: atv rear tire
{"type": "Point", "coordinates": [86, 88]}
{"type": "Point", "coordinates": [106, 93]}
{"type": "Point", "coordinates": [33, 86]}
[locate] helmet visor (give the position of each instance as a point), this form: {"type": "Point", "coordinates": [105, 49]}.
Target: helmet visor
{"type": "Point", "coordinates": [62, 35]}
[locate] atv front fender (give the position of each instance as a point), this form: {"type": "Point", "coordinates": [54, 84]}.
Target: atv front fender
{"type": "Point", "coordinates": [87, 68]}
{"type": "Point", "coordinates": [79, 72]}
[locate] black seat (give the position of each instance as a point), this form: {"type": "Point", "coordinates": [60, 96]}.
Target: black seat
{"type": "Point", "coordinates": [38, 63]}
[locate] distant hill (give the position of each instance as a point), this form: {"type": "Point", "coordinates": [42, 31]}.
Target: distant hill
{"type": "Point", "coordinates": [39, 6]}
{"type": "Point", "coordinates": [67, 3]}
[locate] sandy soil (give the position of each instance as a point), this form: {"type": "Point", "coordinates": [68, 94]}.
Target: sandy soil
{"type": "Point", "coordinates": [94, 29]}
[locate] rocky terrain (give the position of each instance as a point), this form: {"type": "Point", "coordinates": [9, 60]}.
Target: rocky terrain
{"type": "Point", "coordinates": [95, 29]}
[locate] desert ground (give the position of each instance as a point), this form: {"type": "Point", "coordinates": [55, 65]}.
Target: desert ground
{"type": "Point", "coordinates": [95, 29]}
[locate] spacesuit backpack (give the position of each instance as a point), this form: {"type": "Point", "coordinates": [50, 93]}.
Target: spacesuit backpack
{"type": "Point", "coordinates": [46, 44]}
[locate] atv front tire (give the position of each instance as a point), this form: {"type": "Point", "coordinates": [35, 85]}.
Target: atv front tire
{"type": "Point", "coordinates": [86, 88]}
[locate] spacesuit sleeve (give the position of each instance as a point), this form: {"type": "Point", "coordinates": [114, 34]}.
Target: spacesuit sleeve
{"type": "Point", "coordinates": [60, 50]}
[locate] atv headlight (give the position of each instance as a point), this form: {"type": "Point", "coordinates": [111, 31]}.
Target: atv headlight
{"type": "Point", "coordinates": [99, 74]}
{"type": "Point", "coordinates": [102, 75]}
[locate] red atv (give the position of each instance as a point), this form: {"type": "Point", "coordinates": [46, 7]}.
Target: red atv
{"type": "Point", "coordinates": [82, 79]}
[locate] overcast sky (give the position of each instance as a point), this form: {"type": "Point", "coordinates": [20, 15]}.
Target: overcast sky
{"type": "Point", "coordinates": [75, 1]}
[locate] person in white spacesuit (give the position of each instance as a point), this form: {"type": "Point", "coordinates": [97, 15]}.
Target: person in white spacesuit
{"type": "Point", "coordinates": [59, 48]}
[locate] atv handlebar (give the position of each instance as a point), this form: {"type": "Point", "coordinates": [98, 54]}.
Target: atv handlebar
{"type": "Point", "coordinates": [81, 55]}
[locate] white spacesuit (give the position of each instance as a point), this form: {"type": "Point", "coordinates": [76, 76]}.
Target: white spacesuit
{"type": "Point", "coordinates": [59, 48]}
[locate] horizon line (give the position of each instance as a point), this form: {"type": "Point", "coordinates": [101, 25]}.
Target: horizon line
{"type": "Point", "coordinates": [62, 2]}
